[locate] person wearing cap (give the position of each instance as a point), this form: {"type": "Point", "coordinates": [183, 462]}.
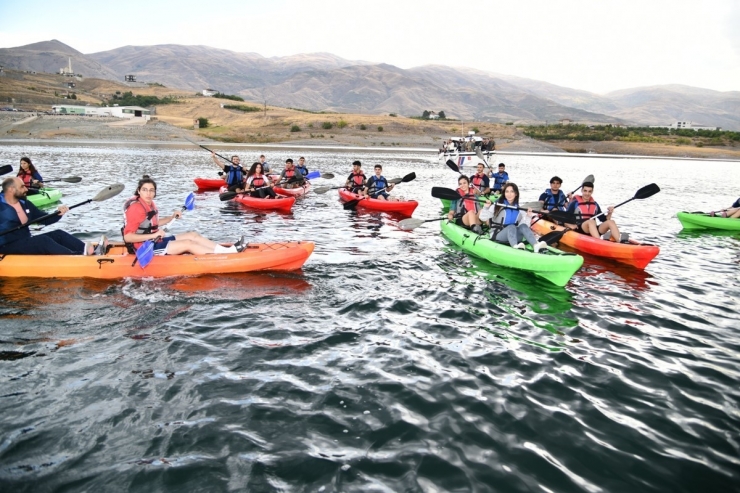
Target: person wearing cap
{"type": "Point", "coordinates": [356, 180]}
{"type": "Point", "coordinates": [500, 179]}
{"type": "Point", "coordinates": [553, 198]}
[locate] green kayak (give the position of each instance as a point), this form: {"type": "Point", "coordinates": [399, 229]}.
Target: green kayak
{"type": "Point", "coordinates": [553, 265]}
{"type": "Point", "coordinates": [45, 197]}
{"type": "Point", "coordinates": [701, 220]}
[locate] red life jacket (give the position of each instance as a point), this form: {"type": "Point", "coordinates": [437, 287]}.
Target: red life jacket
{"type": "Point", "coordinates": [587, 209]}
{"type": "Point", "coordinates": [258, 180]}
{"type": "Point", "coordinates": [151, 223]}
{"type": "Point", "coordinates": [289, 173]}
{"type": "Point", "coordinates": [470, 204]}
{"type": "Point", "coordinates": [358, 179]}
{"type": "Point", "coordinates": [26, 176]}
{"type": "Point", "coordinates": [477, 181]}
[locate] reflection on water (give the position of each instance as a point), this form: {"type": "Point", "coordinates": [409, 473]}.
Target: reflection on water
{"type": "Point", "coordinates": [391, 362]}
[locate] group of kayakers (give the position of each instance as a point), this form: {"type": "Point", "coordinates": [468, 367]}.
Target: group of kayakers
{"type": "Point", "coordinates": [508, 223]}
{"type": "Point", "coordinates": [256, 180]}
{"type": "Point", "coordinates": [375, 187]}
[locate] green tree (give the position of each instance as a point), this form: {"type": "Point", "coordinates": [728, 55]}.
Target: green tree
{"type": "Point", "coordinates": [203, 122]}
{"type": "Point", "coordinates": [425, 115]}
{"type": "Point", "coordinates": [295, 128]}
{"type": "Point", "coordinates": [442, 115]}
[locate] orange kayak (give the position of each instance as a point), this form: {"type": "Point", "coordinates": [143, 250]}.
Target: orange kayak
{"type": "Point", "coordinates": [405, 207]}
{"type": "Point", "coordinates": [282, 256]}
{"type": "Point", "coordinates": [634, 253]}
{"type": "Point", "coordinates": [294, 192]}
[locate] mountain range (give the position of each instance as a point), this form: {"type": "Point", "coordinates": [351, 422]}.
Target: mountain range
{"type": "Point", "coordinates": [325, 82]}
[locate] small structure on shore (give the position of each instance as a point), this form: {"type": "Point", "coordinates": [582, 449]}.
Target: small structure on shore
{"type": "Point", "coordinates": [209, 92]}
{"type": "Point", "coordinates": [114, 111]}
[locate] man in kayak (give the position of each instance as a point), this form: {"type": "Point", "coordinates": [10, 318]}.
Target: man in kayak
{"type": "Point", "coordinates": [265, 166]}
{"type": "Point", "coordinates": [15, 210]}
{"type": "Point", "coordinates": [378, 187]}
{"type": "Point", "coordinates": [500, 178]}
{"type": "Point", "coordinates": [301, 166]}
{"type": "Point", "coordinates": [553, 198]}
{"type": "Point", "coordinates": [290, 178]}
{"type": "Point", "coordinates": [235, 174]}
{"type": "Point", "coordinates": [480, 182]}
{"type": "Point", "coordinates": [584, 206]}
{"type": "Point", "coordinates": [356, 180]}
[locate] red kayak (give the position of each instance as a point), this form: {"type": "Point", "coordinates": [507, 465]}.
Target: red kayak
{"type": "Point", "coordinates": [405, 207]}
{"type": "Point", "coordinates": [294, 192]}
{"type": "Point", "coordinates": [633, 253]}
{"type": "Point", "coordinates": [280, 204]}
{"type": "Point", "coordinates": [209, 184]}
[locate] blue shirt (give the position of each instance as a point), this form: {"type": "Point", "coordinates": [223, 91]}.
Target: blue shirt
{"type": "Point", "coordinates": [499, 179]}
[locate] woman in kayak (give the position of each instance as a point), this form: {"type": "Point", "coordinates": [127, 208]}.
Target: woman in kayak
{"type": "Point", "coordinates": [142, 224]}
{"type": "Point", "coordinates": [30, 176]}
{"type": "Point", "coordinates": [732, 211]}
{"type": "Point", "coordinates": [259, 185]}
{"type": "Point", "coordinates": [465, 209]}
{"type": "Point", "coordinates": [511, 225]}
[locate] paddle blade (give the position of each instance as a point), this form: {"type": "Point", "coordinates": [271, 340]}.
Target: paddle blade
{"type": "Point", "coordinates": [589, 178]}
{"type": "Point", "coordinates": [553, 236]}
{"type": "Point", "coordinates": [72, 179]}
{"type": "Point", "coordinates": [327, 176]}
{"type": "Point", "coordinates": [313, 174]}
{"type": "Point", "coordinates": [189, 202]}
{"type": "Point", "coordinates": [410, 223]}
{"type": "Point", "coordinates": [529, 205]}
{"type": "Point", "coordinates": [108, 192]}
{"type": "Point", "coordinates": [410, 177]}
{"type": "Point", "coordinates": [647, 191]}
{"type": "Point", "coordinates": [227, 196]}
{"type": "Point", "coordinates": [4, 170]}
{"type": "Point", "coordinates": [444, 193]}
{"type": "Point", "coordinates": [145, 253]}
{"type": "Point", "coordinates": [563, 217]}
{"type": "Point", "coordinates": [350, 206]}
{"type": "Point", "coordinates": [324, 189]}
{"type": "Point", "coordinates": [480, 156]}
{"type": "Point", "coordinates": [451, 164]}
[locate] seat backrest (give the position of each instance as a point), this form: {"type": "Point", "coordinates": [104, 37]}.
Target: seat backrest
{"type": "Point", "coordinates": [129, 246]}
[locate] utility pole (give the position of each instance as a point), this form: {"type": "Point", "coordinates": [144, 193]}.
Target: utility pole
{"type": "Point", "coordinates": [265, 108]}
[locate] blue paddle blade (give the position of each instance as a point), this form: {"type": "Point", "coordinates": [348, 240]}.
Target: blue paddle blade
{"type": "Point", "coordinates": [313, 174]}
{"type": "Point", "coordinates": [145, 253]}
{"type": "Point", "coordinates": [190, 202]}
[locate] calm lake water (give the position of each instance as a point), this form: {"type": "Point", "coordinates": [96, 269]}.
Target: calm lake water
{"type": "Point", "coordinates": [392, 361]}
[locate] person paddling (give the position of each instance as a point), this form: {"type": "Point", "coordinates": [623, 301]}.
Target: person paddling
{"type": "Point", "coordinates": [234, 173]}
{"type": "Point", "coordinates": [143, 222]}
{"type": "Point", "coordinates": [259, 185]}
{"type": "Point", "coordinates": [15, 211]}
{"type": "Point", "coordinates": [733, 211]}
{"type": "Point", "coordinates": [301, 166]}
{"type": "Point", "coordinates": [378, 187]}
{"type": "Point", "coordinates": [465, 209]}
{"type": "Point", "coordinates": [356, 180]}
{"type": "Point", "coordinates": [30, 176]}
{"type": "Point", "coordinates": [500, 178]}
{"type": "Point", "coordinates": [289, 177]}
{"type": "Point", "coordinates": [511, 225]}
{"type": "Point", "coordinates": [586, 207]}
{"type": "Point", "coordinates": [480, 181]}
{"type": "Point", "coordinates": [553, 198]}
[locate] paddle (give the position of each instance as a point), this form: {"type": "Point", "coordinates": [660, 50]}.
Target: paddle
{"type": "Point", "coordinates": [350, 205]}
{"type": "Point", "coordinates": [319, 174]}
{"type": "Point", "coordinates": [449, 194]}
{"type": "Point", "coordinates": [209, 150]}
{"type": "Point", "coordinates": [145, 253]}
{"type": "Point", "coordinates": [104, 194]}
{"type": "Point", "coordinates": [189, 206]}
{"type": "Point", "coordinates": [4, 170]}
{"type": "Point", "coordinates": [451, 164]}
{"type": "Point", "coordinates": [643, 193]}
{"type": "Point", "coordinates": [69, 179]}
{"type": "Point", "coordinates": [412, 223]}
{"type": "Point", "coordinates": [480, 156]}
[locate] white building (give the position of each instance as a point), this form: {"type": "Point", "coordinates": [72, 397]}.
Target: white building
{"type": "Point", "coordinates": [209, 92]}
{"type": "Point", "coordinates": [115, 111]}
{"type": "Point", "coordinates": [691, 126]}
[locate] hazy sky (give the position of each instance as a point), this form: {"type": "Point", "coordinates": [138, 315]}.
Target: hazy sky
{"type": "Point", "coordinates": [596, 45]}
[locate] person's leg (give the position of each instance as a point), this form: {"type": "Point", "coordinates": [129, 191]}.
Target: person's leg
{"type": "Point", "coordinates": [590, 228]}
{"type": "Point", "coordinates": [734, 213]}
{"type": "Point", "coordinates": [43, 244]}
{"type": "Point", "coordinates": [179, 247]}
{"type": "Point", "coordinates": [526, 232]}
{"type": "Point", "coordinates": [507, 235]}
{"type": "Point", "coordinates": [610, 226]}
{"type": "Point", "coordinates": [195, 239]}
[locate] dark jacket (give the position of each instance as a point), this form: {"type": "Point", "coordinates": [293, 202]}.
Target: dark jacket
{"type": "Point", "coordinates": [9, 219]}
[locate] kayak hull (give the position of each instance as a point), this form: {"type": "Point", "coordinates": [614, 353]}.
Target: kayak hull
{"type": "Point", "coordinates": [293, 192]}
{"type": "Point", "coordinates": [553, 265]}
{"type": "Point", "coordinates": [117, 264]}
{"type": "Point", "coordinates": [280, 204]}
{"type": "Point", "coordinates": [45, 197]}
{"type": "Point", "coordinates": [209, 184]}
{"type": "Point", "coordinates": [405, 207]}
{"type": "Point", "coordinates": [700, 220]}
{"type": "Point", "coordinates": [635, 254]}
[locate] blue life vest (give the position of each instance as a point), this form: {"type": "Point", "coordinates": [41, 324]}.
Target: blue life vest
{"type": "Point", "coordinates": [234, 176]}
{"type": "Point", "coordinates": [511, 215]}
{"type": "Point", "coordinates": [554, 202]}
{"type": "Point", "coordinates": [379, 184]}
